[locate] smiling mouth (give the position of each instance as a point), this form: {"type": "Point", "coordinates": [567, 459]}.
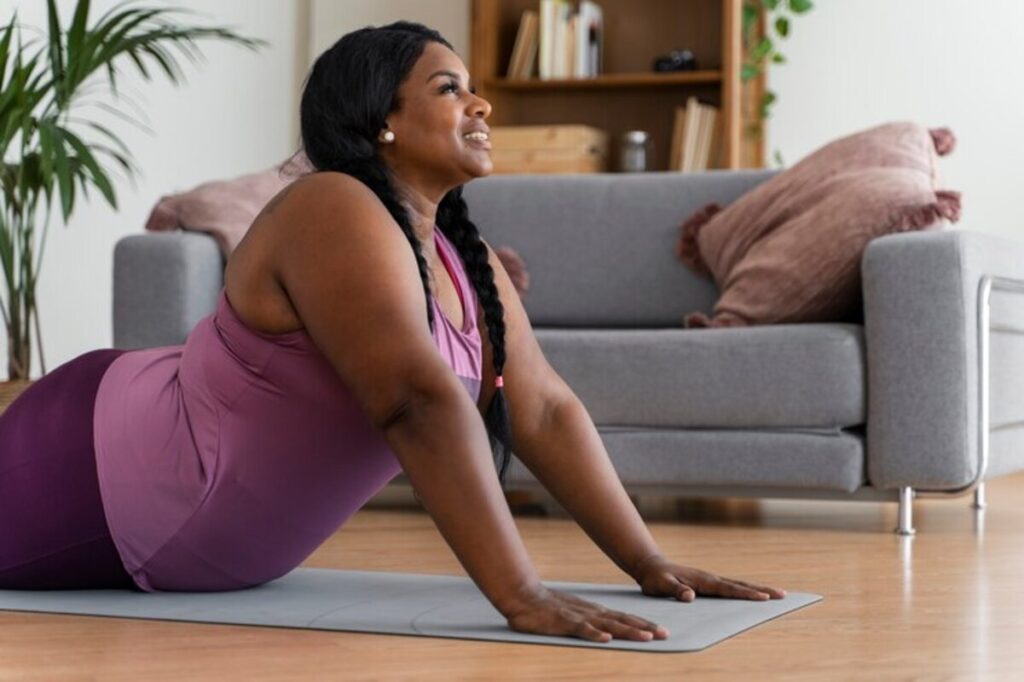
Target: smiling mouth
{"type": "Point", "coordinates": [477, 142]}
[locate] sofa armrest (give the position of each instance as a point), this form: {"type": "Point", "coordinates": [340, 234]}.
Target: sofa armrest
{"type": "Point", "coordinates": [944, 327]}
{"type": "Point", "coordinates": [164, 283]}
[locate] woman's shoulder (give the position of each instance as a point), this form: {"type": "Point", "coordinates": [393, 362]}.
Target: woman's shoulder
{"type": "Point", "coordinates": [320, 200]}
{"type": "Point", "coordinates": [323, 187]}
{"type": "Point", "coordinates": [315, 201]}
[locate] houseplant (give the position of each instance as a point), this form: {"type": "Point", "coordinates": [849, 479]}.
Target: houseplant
{"type": "Point", "coordinates": [52, 149]}
{"type": "Point", "coordinates": [761, 46]}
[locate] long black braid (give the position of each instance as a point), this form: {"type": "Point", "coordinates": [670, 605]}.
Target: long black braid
{"type": "Point", "coordinates": [347, 96]}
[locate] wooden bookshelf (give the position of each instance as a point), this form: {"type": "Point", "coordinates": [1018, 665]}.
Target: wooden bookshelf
{"type": "Point", "coordinates": [629, 94]}
{"type": "Point", "coordinates": [611, 80]}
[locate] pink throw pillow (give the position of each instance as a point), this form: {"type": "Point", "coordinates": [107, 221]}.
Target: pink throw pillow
{"type": "Point", "coordinates": [790, 249]}
{"type": "Point", "coordinates": [225, 208]}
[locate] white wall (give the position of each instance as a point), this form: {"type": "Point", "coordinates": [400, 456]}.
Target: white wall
{"type": "Point", "coordinates": [855, 64]}
{"type": "Point", "coordinates": [234, 114]}
{"type": "Point", "coordinates": [333, 19]}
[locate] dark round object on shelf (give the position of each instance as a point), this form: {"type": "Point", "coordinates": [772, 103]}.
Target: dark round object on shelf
{"type": "Point", "coordinates": [676, 60]}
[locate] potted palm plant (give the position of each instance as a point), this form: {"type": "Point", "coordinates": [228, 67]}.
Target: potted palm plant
{"type": "Point", "coordinates": [46, 150]}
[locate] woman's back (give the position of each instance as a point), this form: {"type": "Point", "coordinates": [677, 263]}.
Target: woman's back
{"type": "Point", "coordinates": [225, 461]}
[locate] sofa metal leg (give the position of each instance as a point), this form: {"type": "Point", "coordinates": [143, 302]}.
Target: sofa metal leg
{"type": "Point", "coordinates": [906, 512]}
{"type": "Point", "coordinates": [986, 285]}
{"type": "Point", "coordinates": [979, 497]}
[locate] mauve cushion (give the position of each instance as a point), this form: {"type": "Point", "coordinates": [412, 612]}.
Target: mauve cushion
{"type": "Point", "coordinates": [790, 249]}
{"type": "Point", "coordinates": [225, 209]}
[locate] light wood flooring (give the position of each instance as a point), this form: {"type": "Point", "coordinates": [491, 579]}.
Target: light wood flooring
{"type": "Point", "coordinates": [946, 604]}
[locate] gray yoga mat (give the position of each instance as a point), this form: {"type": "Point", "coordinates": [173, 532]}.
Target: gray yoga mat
{"type": "Point", "coordinates": [410, 604]}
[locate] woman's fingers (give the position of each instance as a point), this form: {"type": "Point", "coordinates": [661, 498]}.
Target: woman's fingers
{"type": "Point", "coordinates": [609, 623]}
{"type": "Point", "coordinates": [707, 583]}
{"type": "Point", "coordinates": [587, 631]}
{"type": "Point", "coordinates": [622, 630]}
{"type": "Point", "coordinates": [686, 593]}
{"type": "Point", "coordinates": [729, 588]}
{"type": "Point", "coordinates": [600, 624]}
{"type": "Point", "coordinates": [638, 622]}
{"type": "Point", "coordinates": [775, 592]}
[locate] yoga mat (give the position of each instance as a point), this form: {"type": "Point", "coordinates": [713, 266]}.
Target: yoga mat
{"type": "Point", "coordinates": [410, 604]}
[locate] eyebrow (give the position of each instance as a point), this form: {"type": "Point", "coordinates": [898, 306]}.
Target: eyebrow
{"type": "Point", "coordinates": [444, 72]}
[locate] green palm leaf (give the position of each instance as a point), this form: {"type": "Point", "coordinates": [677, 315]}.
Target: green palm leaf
{"type": "Point", "coordinates": [98, 175]}
{"type": "Point", "coordinates": [56, 47]}
{"type": "Point", "coordinates": [5, 44]}
{"type": "Point", "coordinates": [76, 34]}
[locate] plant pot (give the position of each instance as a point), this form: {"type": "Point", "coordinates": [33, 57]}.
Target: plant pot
{"type": "Point", "coordinates": [9, 390]}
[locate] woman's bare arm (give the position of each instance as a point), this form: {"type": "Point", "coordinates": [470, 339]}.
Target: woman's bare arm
{"type": "Point", "coordinates": [353, 280]}
{"type": "Point", "coordinates": [556, 439]}
{"type": "Point", "coordinates": [558, 442]}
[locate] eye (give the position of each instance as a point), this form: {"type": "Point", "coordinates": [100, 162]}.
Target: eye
{"type": "Point", "coordinates": [452, 86]}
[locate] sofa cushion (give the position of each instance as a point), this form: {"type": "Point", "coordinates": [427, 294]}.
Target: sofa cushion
{"type": "Point", "coordinates": [225, 208]}
{"type": "Point", "coordinates": [779, 376]}
{"type": "Point", "coordinates": [790, 250]}
{"type": "Point", "coordinates": [712, 460]}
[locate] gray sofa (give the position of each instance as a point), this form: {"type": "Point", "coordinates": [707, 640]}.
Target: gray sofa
{"type": "Point", "coordinates": [921, 395]}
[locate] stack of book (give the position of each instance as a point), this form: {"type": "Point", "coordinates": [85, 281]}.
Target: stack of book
{"type": "Point", "coordinates": [695, 137]}
{"type": "Point", "coordinates": [559, 41]}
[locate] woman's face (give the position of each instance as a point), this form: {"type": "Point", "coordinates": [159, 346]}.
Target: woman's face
{"type": "Point", "coordinates": [437, 109]}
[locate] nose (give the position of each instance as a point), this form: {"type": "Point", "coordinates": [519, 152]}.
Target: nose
{"type": "Point", "coordinates": [481, 107]}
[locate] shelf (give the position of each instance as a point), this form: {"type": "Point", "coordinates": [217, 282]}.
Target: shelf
{"type": "Point", "coordinates": [629, 94]}
{"type": "Point", "coordinates": [613, 80]}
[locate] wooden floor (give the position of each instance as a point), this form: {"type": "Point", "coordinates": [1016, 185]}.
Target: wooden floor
{"type": "Point", "coordinates": [945, 604]}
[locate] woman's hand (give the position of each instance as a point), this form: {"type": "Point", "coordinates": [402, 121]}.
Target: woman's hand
{"type": "Point", "coordinates": [659, 577]}
{"type": "Point", "coordinates": [550, 612]}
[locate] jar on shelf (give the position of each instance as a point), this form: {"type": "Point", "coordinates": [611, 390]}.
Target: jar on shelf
{"type": "Point", "coordinates": [636, 153]}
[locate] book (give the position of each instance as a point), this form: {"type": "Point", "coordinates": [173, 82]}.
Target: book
{"type": "Point", "coordinates": [547, 24]}
{"type": "Point", "coordinates": [553, 29]}
{"type": "Point", "coordinates": [517, 48]}
{"type": "Point", "coordinates": [562, 47]}
{"type": "Point", "coordinates": [589, 39]}
{"type": "Point", "coordinates": [570, 41]}
{"type": "Point", "coordinates": [569, 57]}
{"type": "Point", "coordinates": [708, 157]}
{"type": "Point", "coordinates": [695, 137]}
{"type": "Point", "coordinates": [524, 51]}
{"type": "Point", "coordinates": [703, 135]}
{"type": "Point", "coordinates": [690, 135]}
{"type": "Point", "coordinates": [530, 68]}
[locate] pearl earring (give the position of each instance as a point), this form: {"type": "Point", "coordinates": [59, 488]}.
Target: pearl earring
{"type": "Point", "coordinates": [389, 136]}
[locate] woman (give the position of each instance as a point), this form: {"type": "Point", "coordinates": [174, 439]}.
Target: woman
{"type": "Point", "coordinates": [223, 463]}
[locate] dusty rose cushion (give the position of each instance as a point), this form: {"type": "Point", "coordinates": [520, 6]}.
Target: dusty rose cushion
{"type": "Point", "coordinates": [226, 208]}
{"type": "Point", "coordinates": [790, 249]}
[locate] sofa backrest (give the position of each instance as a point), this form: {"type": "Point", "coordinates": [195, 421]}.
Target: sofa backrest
{"type": "Point", "coordinates": [600, 247]}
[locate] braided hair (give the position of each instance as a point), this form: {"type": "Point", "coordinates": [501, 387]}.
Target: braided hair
{"type": "Point", "coordinates": [349, 92]}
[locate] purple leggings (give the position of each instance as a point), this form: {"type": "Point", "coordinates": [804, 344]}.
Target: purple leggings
{"type": "Point", "coordinates": [53, 533]}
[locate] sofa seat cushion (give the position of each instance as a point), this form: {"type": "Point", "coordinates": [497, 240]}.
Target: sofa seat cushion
{"type": "Point", "coordinates": [706, 458]}
{"type": "Point", "coordinates": [774, 376]}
